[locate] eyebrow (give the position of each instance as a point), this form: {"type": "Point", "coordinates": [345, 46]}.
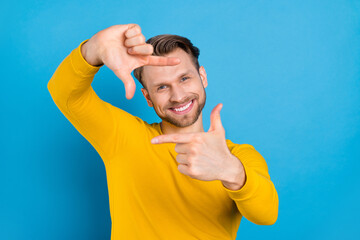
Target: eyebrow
{"type": "Point", "coordinates": [180, 76]}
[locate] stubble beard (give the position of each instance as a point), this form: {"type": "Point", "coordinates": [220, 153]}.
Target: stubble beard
{"type": "Point", "coordinates": [185, 120]}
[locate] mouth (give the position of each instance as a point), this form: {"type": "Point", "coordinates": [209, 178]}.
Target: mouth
{"type": "Point", "coordinates": [183, 109]}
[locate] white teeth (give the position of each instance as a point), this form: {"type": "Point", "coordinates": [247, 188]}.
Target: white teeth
{"type": "Point", "coordinates": [183, 108]}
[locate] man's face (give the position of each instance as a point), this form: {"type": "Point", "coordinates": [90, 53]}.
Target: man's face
{"type": "Point", "coordinates": [177, 93]}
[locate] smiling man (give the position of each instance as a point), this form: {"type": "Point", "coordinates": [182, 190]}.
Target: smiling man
{"type": "Point", "coordinates": [167, 180]}
{"type": "Point", "coordinates": [177, 92]}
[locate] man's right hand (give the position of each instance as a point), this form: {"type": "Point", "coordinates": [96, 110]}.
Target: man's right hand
{"type": "Point", "coordinates": [122, 48]}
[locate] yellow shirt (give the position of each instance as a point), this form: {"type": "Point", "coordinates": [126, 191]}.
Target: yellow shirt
{"type": "Point", "coordinates": [148, 197]}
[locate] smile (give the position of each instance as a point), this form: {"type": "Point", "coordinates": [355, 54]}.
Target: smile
{"type": "Point", "coordinates": [184, 109]}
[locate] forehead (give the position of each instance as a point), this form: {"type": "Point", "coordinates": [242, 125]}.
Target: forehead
{"type": "Point", "coordinates": [154, 75]}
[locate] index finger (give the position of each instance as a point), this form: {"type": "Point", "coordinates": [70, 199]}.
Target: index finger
{"type": "Point", "coordinates": [173, 138]}
{"type": "Point", "coordinates": [162, 61]}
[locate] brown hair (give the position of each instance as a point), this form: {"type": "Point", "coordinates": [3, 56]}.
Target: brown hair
{"type": "Point", "coordinates": [166, 43]}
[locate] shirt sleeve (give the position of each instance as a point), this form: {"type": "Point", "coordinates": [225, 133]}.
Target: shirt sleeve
{"type": "Point", "coordinates": [257, 200]}
{"type": "Point", "coordinates": [102, 124]}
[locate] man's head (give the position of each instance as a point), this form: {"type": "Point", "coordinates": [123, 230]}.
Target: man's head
{"type": "Point", "coordinates": [177, 92]}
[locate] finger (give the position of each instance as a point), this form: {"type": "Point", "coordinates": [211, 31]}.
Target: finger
{"type": "Point", "coordinates": [182, 148]}
{"type": "Point", "coordinates": [182, 159]}
{"type": "Point", "coordinates": [129, 83]}
{"type": "Point", "coordinates": [145, 49]}
{"type": "Point", "coordinates": [163, 61]}
{"type": "Point", "coordinates": [184, 169]}
{"type": "Point", "coordinates": [173, 138]}
{"type": "Point", "coordinates": [133, 30]}
{"type": "Point", "coordinates": [215, 120]}
{"type": "Point", "coordinates": [130, 88]}
{"type": "Point", "coordinates": [137, 40]}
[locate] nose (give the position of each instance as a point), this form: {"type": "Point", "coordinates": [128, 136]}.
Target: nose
{"type": "Point", "coordinates": [177, 95]}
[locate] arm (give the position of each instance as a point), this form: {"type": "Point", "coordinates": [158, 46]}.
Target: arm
{"type": "Point", "coordinates": [257, 199]}
{"type": "Point", "coordinates": [70, 86]}
{"type": "Point", "coordinates": [210, 156]}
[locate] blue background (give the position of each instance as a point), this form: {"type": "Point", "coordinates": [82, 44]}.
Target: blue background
{"type": "Point", "coordinates": [287, 73]}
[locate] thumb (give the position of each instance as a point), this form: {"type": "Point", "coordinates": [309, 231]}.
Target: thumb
{"type": "Point", "coordinates": [129, 83]}
{"type": "Point", "coordinates": [215, 120]}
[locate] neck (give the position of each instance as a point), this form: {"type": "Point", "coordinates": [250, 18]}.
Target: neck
{"type": "Point", "coordinates": [168, 128]}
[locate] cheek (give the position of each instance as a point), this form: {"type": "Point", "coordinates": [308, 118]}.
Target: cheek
{"type": "Point", "coordinates": [160, 103]}
{"type": "Point", "coordinates": [200, 90]}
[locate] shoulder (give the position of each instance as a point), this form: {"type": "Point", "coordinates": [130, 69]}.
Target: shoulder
{"type": "Point", "coordinates": [128, 124]}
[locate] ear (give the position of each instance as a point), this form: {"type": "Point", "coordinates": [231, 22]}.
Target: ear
{"type": "Point", "coordinates": [147, 97]}
{"type": "Point", "coordinates": [203, 76]}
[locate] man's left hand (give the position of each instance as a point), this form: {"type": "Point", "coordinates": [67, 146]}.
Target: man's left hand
{"type": "Point", "coordinates": [205, 155]}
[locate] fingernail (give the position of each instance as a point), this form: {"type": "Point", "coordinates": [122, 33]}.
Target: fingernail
{"type": "Point", "coordinates": [154, 140]}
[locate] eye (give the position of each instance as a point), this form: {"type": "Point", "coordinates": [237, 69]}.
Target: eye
{"type": "Point", "coordinates": [161, 87]}
{"type": "Point", "coordinates": [184, 78]}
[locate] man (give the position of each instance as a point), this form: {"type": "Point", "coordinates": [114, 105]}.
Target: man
{"type": "Point", "coordinates": [168, 180]}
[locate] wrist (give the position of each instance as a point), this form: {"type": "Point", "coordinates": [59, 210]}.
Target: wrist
{"type": "Point", "coordinates": [89, 57]}
{"type": "Point", "coordinates": [235, 177]}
